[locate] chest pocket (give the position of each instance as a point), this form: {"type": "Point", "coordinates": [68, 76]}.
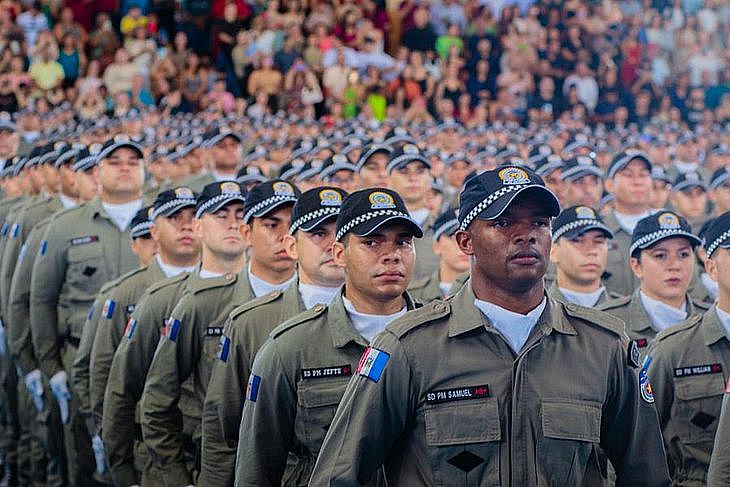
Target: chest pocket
{"type": "Point", "coordinates": [697, 408]}
{"type": "Point", "coordinates": [317, 402]}
{"type": "Point", "coordinates": [463, 442]}
{"type": "Point", "coordinates": [571, 433]}
{"type": "Point", "coordinates": [211, 341]}
{"type": "Point", "coordinates": [87, 270]}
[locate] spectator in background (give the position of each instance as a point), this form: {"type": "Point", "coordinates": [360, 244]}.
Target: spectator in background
{"type": "Point", "coordinates": [32, 22]}
{"type": "Point", "coordinates": [67, 25]}
{"type": "Point", "coordinates": [334, 78]}
{"type": "Point", "coordinates": [46, 72]}
{"type": "Point", "coordinates": [265, 78]}
{"type": "Point", "coordinates": [71, 59]}
{"type": "Point", "coordinates": [585, 85]}
{"type": "Point", "coordinates": [446, 12]}
{"type": "Point", "coordinates": [193, 81]}
{"type": "Point", "coordinates": [118, 75]}
{"type": "Point", "coordinates": [450, 43]}
{"type": "Point", "coordinates": [103, 41]}
{"type": "Point", "coordinates": [422, 36]}
{"type": "Point", "coordinates": [133, 19]}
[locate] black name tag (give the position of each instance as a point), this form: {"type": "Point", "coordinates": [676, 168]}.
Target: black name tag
{"type": "Point", "coordinates": [457, 394]}
{"type": "Point", "coordinates": [214, 331]}
{"type": "Point", "coordinates": [84, 240]}
{"type": "Point", "coordinates": [326, 372]}
{"type": "Point", "coordinates": [697, 370]}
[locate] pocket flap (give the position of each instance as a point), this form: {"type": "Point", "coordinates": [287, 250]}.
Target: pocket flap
{"type": "Point", "coordinates": [461, 423]}
{"type": "Point", "coordinates": [688, 388]}
{"type": "Point", "coordinates": [325, 392]}
{"type": "Point", "coordinates": [572, 420]}
{"type": "Point", "coordinates": [85, 252]}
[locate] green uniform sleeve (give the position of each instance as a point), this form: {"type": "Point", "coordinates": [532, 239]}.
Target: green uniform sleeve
{"type": "Point", "coordinates": [660, 374]}
{"type": "Point", "coordinates": [124, 389]}
{"type": "Point", "coordinates": [81, 367]}
{"type": "Point", "coordinates": [18, 317]}
{"type": "Point", "coordinates": [108, 334]}
{"type": "Point", "coordinates": [630, 434]}
{"type": "Point", "coordinates": [8, 263]}
{"type": "Point", "coordinates": [267, 425]}
{"type": "Point", "coordinates": [49, 274]}
{"type": "Point", "coordinates": [369, 419]}
{"type": "Point", "coordinates": [222, 412]}
{"type": "Point", "coordinates": [719, 473]}
{"type": "Point", "coordinates": [162, 424]}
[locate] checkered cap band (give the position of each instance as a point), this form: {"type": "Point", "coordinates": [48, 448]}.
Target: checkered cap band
{"type": "Point", "coordinates": [268, 202]}
{"type": "Point", "coordinates": [715, 244]}
{"type": "Point", "coordinates": [216, 200]}
{"type": "Point", "coordinates": [367, 217]}
{"type": "Point", "coordinates": [314, 215]}
{"type": "Point", "coordinates": [571, 172]}
{"type": "Point", "coordinates": [719, 181]}
{"type": "Point", "coordinates": [487, 202]}
{"type": "Point", "coordinates": [406, 157]}
{"type": "Point", "coordinates": [583, 222]}
{"type": "Point", "coordinates": [140, 230]}
{"type": "Point", "coordinates": [659, 235]}
{"type": "Point", "coordinates": [176, 203]}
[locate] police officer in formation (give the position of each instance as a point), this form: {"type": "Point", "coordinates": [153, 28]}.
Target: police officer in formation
{"type": "Point", "coordinates": [216, 326]}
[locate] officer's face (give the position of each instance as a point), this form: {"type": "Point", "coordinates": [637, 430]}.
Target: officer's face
{"type": "Point", "coordinates": [584, 191]}
{"type": "Point", "coordinates": [144, 248]}
{"type": "Point", "coordinates": [581, 259]}
{"type": "Point", "coordinates": [86, 184]}
{"type": "Point", "coordinates": [266, 236]}
{"type": "Point", "coordinates": [456, 172]}
{"type": "Point", "coordinates": [690, 203]}
{"type": "Point", "coordinates": [176, 237]}
{"type": "Point", "coordinates": [226, 153]}
{"type": "Point", "coordinates": [411, 182]}
{"type": "Point", "coordinates": [346, 180]}
{"type": "Point", "coordinates": [378, 266]}
{"type": "Point", "coordinates": [68, 181]}
{"type": "Point", "coordinates": [122, 172]}
{"type": "Point", "coordinates": [450, 254]}
{"type": "Point", "coordinates": [313, 252]}
{"type": "Point", "coordinates": [719, 269]}
{"type": "Point", "coordinates": [665, 269]}
{"type": "Point", "coordinates": [660, 194]}
{"type": "Point", "coordinates": [510, 252]}
{"type": "Point", "coordinates": [221, 232]}
{"type": "Point", "coordinates": [632, 185]}
{"type": "Point", "coordinates": [721, 198]}
{"type": "Point", "coordinates": [373, 173]}
{"type": "Point", "coordinates": [8, 143]}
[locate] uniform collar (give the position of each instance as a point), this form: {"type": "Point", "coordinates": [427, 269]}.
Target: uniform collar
{"type": "Point", "coordinates": [712, 328]}
{"type": "Point", "coordinates": [468, 317]}
{"type": "Point", "coordinates": [341, 330]}
{"type": "Point", "coordinates": [610, 220]}
{"type": "Point", "coordinates": [291, 300]}
{"type": "Point", "coordinates": [636, 308]}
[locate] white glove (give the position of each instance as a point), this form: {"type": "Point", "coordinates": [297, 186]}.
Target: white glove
{"type": "Point", "coordinates": [99, 456]}
{"type": "Point", "coordinates": [59, 387]}
{"type": "Point", "coordinates": [35, 388]}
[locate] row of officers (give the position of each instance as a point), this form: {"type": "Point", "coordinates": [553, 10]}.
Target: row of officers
{"type": "Point", "coordinates": [273, 337]}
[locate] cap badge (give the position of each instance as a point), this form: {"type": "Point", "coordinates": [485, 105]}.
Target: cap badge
{"type": "Point", "coordinates": [330, 197]}
{"type": "Point", "coordinates": [184, 193]}
{"type": "Point", "coordinates": [410, 149]}
{"type": "Point", "coordinates": [282, 188]}
{"type": "Point", "coordinates": [585, 212]}
{"type": "Point", "coordinates": [380, 200]}
{"type": "Point", "coordinates": [230, 187]}
{"type": "Point", "coordinates": [513, 175]}
{"type": "Point", "coordinates": [668, 221]}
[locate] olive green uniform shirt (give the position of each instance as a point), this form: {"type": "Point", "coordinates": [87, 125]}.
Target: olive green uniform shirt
{"type": "Point", "coordinates": [719, 472]}
{"type": "Point", "coordinates": [120, 421]}
{"type": "Point", "coordinates": [81, 251]}
{"type": "Point", "coordinates": [301, 374]}
{"type": "Point", "coordinates": [246, 329]}
{"type": "Point", "coordinates": [427, 262]}
{"type": "Point", "coordinates": [442, 399]}
{"type": "Point", "coordinates": [620, 279]}
{"type": "Point", "coordinates": [188, 348]}
{"type": "Point", "coordinates": [688, 366]}
{"type": "Point", "coordinates": [428, 289]}
{"type": "Point", "coordinates": [639, 326]}
{"type": "Point", "coordinates": [111, 324]}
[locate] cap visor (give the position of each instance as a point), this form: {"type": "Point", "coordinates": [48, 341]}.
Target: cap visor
{"type": "Point", "coordinates": [367, 228]}
{"type": "Point", "coordinates": [694, 240]}
{"type": "Point", "coordinates": [223, 203]}
{"type": "Point", "coordinates": [174, 209]}
{"type": "Point", "coordinates": [310, 225]}
{"type": "Point", "coordinates": [581, 230]}
{"type": "Point", "coordinates": [271, 208]}
{"type": "Point", "coordinates": [498, 207]}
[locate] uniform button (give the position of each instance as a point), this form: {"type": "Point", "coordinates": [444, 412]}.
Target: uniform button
{"type": "Point", "coordinates": [319, 308]}
{"type": "Point", "coordinates": [229, 277]}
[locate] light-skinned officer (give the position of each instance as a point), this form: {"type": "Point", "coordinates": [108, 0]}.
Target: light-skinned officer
{"type": "Point", "coordinates": [300, 373]}
{"type": "Point", "coordinates": [467, 390]}
{"type": "Point", "coordinates": [688, 367]}
{"type": "Point", "coordinates": [222, 158]}
{"type": "Point", "coordinates": [310, 243]}
{"type": "Point", "coordinates": [662, 258]}
{"type": "Point", "coordinates": [372, 166]}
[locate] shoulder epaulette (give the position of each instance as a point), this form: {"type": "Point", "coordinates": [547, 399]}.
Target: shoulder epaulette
{"type": "Point", "coordinates": [170, 281]}
{"type": "Point", "coordinates": [596, 317]}
{"type": "Point", "coordinates": [614, 303]}
{"type": "Point", "coordinates": [111, 285]}
{"type": "Point", "coordinates": [703, 305]}
{"type": "Point", "coordinates": [57, 214]}
{"type": "Point", "coordinates": [430, 312]}
{"type": "Point", "coordinates": [132, 273]}
{"type": "Point", "coordinates": [679, 327]}
{"type": "Point", "coordinates": [254, 303]}
{"type": "Point", "coordinates": [303, 317]}
{"type": "Point", "coordinates": [216, 282]}
{"type": "Point", "coordinates": [613, 296]}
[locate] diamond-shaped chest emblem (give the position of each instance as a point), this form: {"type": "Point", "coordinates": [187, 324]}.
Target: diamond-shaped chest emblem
{"type": "Point", "coordinates": [466, 461]}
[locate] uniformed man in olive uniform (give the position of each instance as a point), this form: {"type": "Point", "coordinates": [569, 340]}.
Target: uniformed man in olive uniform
{"type": "Point", "coordinates": [453, 263]}
{"type": "Point", "coordinates": [300, 373]}
{"type": "Point", "coordinates": [663, 260]}
{"type": "Point", "coordinates": [81, 251]}
{"type": "Point", "coordinates": [689, 198]}
{"type": "Point", "coordinates": [372, 166]}
{"type": "Point", "coordinates": [579, 251]}
{"type": "Point", "coordinates": [583, 182]}
{"type": "Point", "coordinates": [628, 179]}
{"type": "Point", "coordinates": [223, 153]}
{"type": "Point", "coordinates": [477, 390]}
{"type": "Point", "coordinates": [188, 347]}
{"type": "Point", "coordinates": [310, 239]}
{"type": "Point", "coordinates": [688, 367]}
{"type": "Point", "coordinates": [408, 170]}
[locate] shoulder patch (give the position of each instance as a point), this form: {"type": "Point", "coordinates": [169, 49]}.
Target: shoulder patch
{"type": "Point", "coordinates": [254, 303]}
{"type": "Point", "coordinates": [596, 317]}
{"type": "Point", "coordinates": [107, 287]}
{"type": "Point", "coordinates": [201, 285]}
{"type": "Point", "coordinates": [690, 322]}
{"type": "Point", "coordinates": [432, 311]}
{"type": "Point", "coordinates": [133, 272]}
{"type": "Point", "coordinates": [614, 302]}
{"type": "Point", "coordinates": [170, 281]}
{"type": "Point", "coordinates": [303, 317]}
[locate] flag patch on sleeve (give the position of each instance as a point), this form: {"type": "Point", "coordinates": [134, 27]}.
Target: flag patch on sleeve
{"type": "Point", "coordinates": [107, 311]}
{"type": "Point", "coordinates": [15, 230]}
{"type": "Point", "coordinates": [224, 347]}
{"type": "Point", "coordinates": [172, 328]}
{"type": "Point", "coordinates": [252, 390]}
{"type": "Point", "coordinates": [44, 248]}
{"type": "Point", "coordinates": [129, 330]}
{"type": "Point", "coordinates": [372, 364]}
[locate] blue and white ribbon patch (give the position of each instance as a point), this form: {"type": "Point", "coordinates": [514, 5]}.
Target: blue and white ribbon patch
{"type": "Point", "coordinates": [252, 390]}
{"type": "Point", "coordinates": [172, 329]}
{"type": "Point", "coordinates": [372, 364]}
{"type": "Point", "coordinates": [131, 326]}
{"type": "Point", "coordinates": [44, 247]}
{"type": "Point", "coordinates": [224, 348]}
{"type": "Point", "coordinates": [107, 311]}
